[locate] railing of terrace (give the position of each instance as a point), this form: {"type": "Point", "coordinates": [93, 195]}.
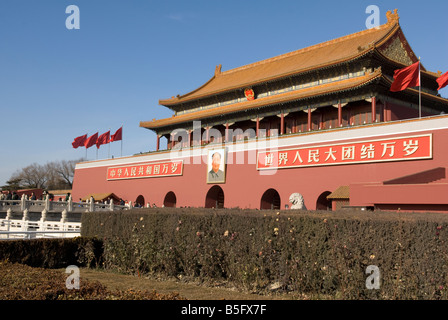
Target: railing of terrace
{"type": "Point", "coordinates": [57, 206]}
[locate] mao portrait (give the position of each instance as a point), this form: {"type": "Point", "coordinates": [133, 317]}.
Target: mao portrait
{"type": "Point", "coordinates": [216, 166]}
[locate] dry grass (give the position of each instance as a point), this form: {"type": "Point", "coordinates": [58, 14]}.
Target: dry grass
{"type": "Point", "coordinates": [189, 290]}
{"type": "Point", "coordinates": [21, 282]}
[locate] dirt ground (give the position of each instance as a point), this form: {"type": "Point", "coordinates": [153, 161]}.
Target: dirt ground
{"type": "Point", "coordinates": [189, 291]}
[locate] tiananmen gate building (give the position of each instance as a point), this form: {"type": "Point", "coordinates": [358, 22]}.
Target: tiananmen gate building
{"type": "Point", "coordinates": [320, 121]}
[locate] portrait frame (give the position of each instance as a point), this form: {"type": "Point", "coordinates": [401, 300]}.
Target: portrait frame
{"type": "Point", "coordinates": [220, 176]}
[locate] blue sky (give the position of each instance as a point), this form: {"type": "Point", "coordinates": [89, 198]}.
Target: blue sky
{"type": "Point", "coordinates": [57, 84]}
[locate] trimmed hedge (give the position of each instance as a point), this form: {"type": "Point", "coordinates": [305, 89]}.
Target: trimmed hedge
{"type": "Point", "coordinates": [53, 253]}
{"type": "Point", "coordinates": [322, 254]}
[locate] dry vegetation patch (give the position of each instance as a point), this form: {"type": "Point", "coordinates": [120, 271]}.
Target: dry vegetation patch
{"type": "Point", "coordinates": [21, 282]}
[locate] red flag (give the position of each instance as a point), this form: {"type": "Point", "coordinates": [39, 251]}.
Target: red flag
{"type": "Point", "coordinates": [442, 80]}
{"type": "Point", "coordinates": [79, 141]}
{"type": "Point", "coordinates": [103, 139]}
{"type": "Point", "coordinates": [91, 140]}
{"type": "Point", "coordinates": [117, 135]}
{"type": "Point", "coordinates": [406, 77]}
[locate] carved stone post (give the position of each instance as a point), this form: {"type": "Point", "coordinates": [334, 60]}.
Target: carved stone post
{"type": "Point", "coordinates": [111, 207]}
{"type": "Point", "coordinates": [9, 214]}
{"type": "Point", "coordinates": [43, 217]}
{"type": "Point", "coordinates": [42, 220]}
{"type": "Point", "coordinates": [64, 216]}
{"type": "Point", "coordinates": [25, 220]}
{"type": "Point", "coordinates": [70, 204]}
{"type": "Point", "coordinates": [23, 202]}
{"type": "Point", "coordinates": [25, 215]}
{"type": "Point", "coordinates": [47, 202]}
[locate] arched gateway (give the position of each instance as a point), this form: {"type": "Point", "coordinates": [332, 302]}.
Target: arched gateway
{"type": "Point", "coordinates": [215, 197]}
{"type": "Point", "coordinates": [270, 200]}
{"type": "Point", "coordinates": [140, 201]}
{"type": "Point", "coordinates": [322, 202]}
{"type": "Point", "coordinates": [170, 200]}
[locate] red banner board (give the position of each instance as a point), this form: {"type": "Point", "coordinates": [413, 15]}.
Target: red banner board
{"type": "Point", "coordinates": [379, 150]}
{"type": "Point", "coordinates": [146, 170]}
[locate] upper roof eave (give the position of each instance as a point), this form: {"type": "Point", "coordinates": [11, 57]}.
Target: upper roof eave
{"type": "Point", "coordinates": [262, 102]}
{"type": "Point", "coordinates": [181, 99]}
{"type": "Point", "coordinates": [320, 90]}
{"type": "Point", "coordinates": [382, 34]}
{"type": "Point", "coordinates": [422, 93]}
{"type": "Point", "coordinates": [423, 70]}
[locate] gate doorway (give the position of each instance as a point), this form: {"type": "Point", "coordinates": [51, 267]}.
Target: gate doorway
{"type": "Point", "coordinates": [270, 200]}
{"type": "Point", "coordinates": [215, 198]}
{"type": "Point", "coordinates": [170, 200]}
{"type": "Point", "coordinates": [140, 201]}
{"type": "Point", "coordinates": [322, 202]}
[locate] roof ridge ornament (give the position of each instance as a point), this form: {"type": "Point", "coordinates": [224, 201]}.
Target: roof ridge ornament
{"type": "Point", "coordinates": [392, 17]}
{"type": "Point", "coordinates": [218, 70]}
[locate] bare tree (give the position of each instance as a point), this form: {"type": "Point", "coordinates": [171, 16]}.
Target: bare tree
{"type": "Point", "coordinates": [52, 175]}
{"type": "Point", "coordinates": [65, 170]}
{"type": "Point", "coordinates": [32, 176]}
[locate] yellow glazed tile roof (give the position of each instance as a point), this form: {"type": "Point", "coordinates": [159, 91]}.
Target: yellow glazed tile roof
{"type": "Point", "coordinates": [299, 61]}
{"type": "Point", "coordinates": [343, 192]}
{"type": "Point", "coordinates": [284, 97]}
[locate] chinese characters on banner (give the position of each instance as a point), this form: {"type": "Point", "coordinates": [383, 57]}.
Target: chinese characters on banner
{"type": "Point", "coordinates": [394, 149]}
{"type": "Point", "coordinates": [146, 170]}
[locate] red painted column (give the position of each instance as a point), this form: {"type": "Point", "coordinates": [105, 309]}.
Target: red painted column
{"type": "Point", "coordinates": [207, 135]}
{"type": "Point", "coordinates": [385, 112]}
{"type": "Point", "coordinates": [227, 133]}
{"type": "Point", "coordinates": [258, 127]}
{"type": "Point", "coordinates": [158, 143]}
{"type": "Point", "coordinates": [282, 124]}
{"type": "Point", "coordinates": [309, 119]}
{"type": "Point", "coordinates": [189, 138]}
{"type": "Point", "coordinates": [339, 114]}
{"type": "Point", "coordinates": [373, 109]}
{"type": "Point", "coordinates": [169, 141]}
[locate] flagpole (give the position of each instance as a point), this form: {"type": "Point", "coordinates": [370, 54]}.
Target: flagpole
{"type": "Point", "coordinates": [108, 153]}
{"type": "Point", "coordinates": [419, 90]}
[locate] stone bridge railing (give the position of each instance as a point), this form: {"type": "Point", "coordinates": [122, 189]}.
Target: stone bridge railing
{"type": "Point", "coordinates": [28, 219]}
{"type": "Point", "coordinates": [56, 206]}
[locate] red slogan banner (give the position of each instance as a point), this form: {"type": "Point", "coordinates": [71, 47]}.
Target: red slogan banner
{"type": "Point", "coordinates": [146, 170]}
{"type": "Point", "coordinates": [396, 149]}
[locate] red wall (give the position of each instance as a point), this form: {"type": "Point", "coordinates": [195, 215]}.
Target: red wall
{"type": "Point", "coordinates": [245, 185]}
